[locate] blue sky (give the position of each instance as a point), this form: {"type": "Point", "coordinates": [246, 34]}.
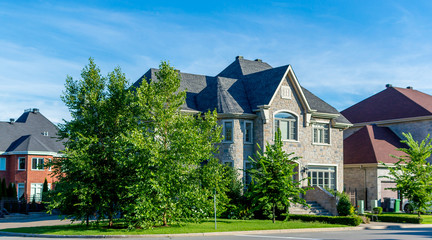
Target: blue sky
{"type": "Point", "coordinates": [343, 51]}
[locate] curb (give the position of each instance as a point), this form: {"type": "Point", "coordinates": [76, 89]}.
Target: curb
{"type": "Point", "coordinates": [187, 234]}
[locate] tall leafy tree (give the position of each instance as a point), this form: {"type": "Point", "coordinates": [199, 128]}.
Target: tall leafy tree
{"type": "Point", "coordinates": [413, 173]}
{"type": "Point", "coordinates": [131, 151]}
{"type": "Point", "coordinates": [92, 174]}
{"type": "Point", "coordinates": [3, 188]}
{"type": "Point", "coordinates": [45, 186]}
{"type": "Point", "coordinates": [273, 185]}
{"type": "Point", "coordinates": [176, 170]}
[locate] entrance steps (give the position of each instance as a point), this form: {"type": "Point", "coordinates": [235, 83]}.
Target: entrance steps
{"type": "Point", "coordinates": [314, 209]}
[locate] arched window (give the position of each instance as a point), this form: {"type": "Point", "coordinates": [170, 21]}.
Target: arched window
{"type": "Point", "coordinates": [287, 123]}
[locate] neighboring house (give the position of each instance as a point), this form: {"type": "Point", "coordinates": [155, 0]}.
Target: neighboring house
{"type": "Point", "coordinates": [378, 124]}
{"type": "Point", "coordinates": [252, 100]}
{"type": "Point", "coordinates": [25, 146]}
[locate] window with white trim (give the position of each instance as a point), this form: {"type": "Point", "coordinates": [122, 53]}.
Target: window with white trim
{"type": "Point", "coordinates": [37, 163]}
{"type": "Point", "coordinates": [248, 131]}
{"type": "Point", "coordinates": [21, 190]}
{"type": "Point", "coordinates": [287, 123]}
{"type": "Point", "coordinates": [321, 133]}
{"type": "Point", "coordinates": [21, 163]}
{"type": "Point", "coordinates": [36, 192]}
{"type": "Point", "coordinates": [2, 164]}
{"type": "Point", "coordinates": [323, 176]}
{"type": "Point", "coordinates": [228, 130]}
{"type": "Point", "coordinates": [49, 161]}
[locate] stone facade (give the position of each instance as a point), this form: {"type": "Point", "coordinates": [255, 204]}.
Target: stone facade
{"type": "Point", "coordinates": [311, 154]}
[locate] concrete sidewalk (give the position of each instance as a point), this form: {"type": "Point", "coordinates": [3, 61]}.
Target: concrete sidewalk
{"type": "Point", "coordinates": [33, 221]}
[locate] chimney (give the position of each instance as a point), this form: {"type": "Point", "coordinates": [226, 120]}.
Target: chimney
{"type": "Point", "coordinates": [239, 57]}
{"type": "Point", "coordinates": [258, 60]}
{"type": "Point", "coordinates": [389, 85]}
{"type": "Point", "coordinates": [409, 87]}
{"type": "Point", "coordinates": [11, 120]}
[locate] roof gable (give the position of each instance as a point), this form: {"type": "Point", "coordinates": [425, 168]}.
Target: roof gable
{"type": "Point", "coordinates": [262, 86]}
{"type": "Point", "coordinates": [391, 103]}
{"type": "Point", "coordinates": [372, 144]}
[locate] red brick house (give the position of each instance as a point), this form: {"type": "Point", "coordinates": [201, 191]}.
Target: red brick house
{"type": "Point", "coordinates": [25, 146]}
{"type": "Point", "coordinates": [378, 124]}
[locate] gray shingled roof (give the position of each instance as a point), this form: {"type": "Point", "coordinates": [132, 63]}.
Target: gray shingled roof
{"type": "Point", "coordinates": [27, 134]}
{"type": "Point", "coordinates": [319, 105]}
{"type": "Point", "coordinates": [240, 88]}
{"type": "Point", "coordinates": [241, 67]}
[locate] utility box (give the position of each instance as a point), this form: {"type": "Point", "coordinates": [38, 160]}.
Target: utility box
{"type": "Point", "coordinates": [374, 204]}
{"type": "Point", "coordinates": [360, 209]}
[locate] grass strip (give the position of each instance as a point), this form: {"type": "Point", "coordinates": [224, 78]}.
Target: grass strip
{"type": "Point", "coordinates": [223, 225]}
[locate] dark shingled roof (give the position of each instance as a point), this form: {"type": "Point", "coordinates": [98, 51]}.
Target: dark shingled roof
{"type": "Point", "coordinates": [240, 88]}
{"type": "Point", "coordinates": [391, 103]}
{"type": "Point", "coordinates": [318, 104]}
{"type": "Point", "coordinates": [241, 67]}
{"type": "Point", "coordinates": [27, 134]}
{"type": "Point", "coordinates": [372, 144]}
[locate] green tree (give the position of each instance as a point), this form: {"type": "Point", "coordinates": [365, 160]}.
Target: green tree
{"type": "Point", "coordinates": [273, 185]}
{"type": "Point", "coordinates": [413, 173]}
{"type": "Point", "coordinates": [176, 172]}
{"type": "Point", "coordinates": [3, 188]}
{"type": "Point", "coordinates": [92, 174]}
{"type": "Point", "coordinates": [10, 190]}
{"type": "Point", "coordinates": [132, 151]}
{"type": "Point", "coordinates": [45, 186]}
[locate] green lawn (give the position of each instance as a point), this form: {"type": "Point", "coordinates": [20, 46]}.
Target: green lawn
{"type": "Point", "coordinates": [223, 225]}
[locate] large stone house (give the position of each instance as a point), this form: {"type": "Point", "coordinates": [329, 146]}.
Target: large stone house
{"type": "Point", "coordinates": [378, 124]}
{"type": "Point", "coordinates": [26, 144]}
{"type": "Point", "coordinates": [252, 100]}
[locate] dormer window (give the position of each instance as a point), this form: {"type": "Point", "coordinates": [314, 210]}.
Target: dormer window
{"type": "Point", "coordinates": [287, 124]}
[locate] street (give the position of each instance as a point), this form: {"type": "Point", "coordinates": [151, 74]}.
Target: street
{"type": "Point", "coordinates": [392, 232]}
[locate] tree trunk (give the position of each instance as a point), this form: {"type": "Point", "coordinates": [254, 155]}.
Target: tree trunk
{"type": "Point", "coordinates": [164, 218]}
{"type": "Point", "coordinates": [87, 220]}
{"type": "Point", "coordinates": [274, 213]}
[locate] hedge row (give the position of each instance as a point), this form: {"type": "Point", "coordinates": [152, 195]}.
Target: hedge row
{"type": "Point", "coordinates": [348, 220]}
{"type": "Point", "coordinates": [395, 219]}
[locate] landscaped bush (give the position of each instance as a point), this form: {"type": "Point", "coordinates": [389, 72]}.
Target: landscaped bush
{"type": "Point", "coordinates": [396, 218]}
{"type": "Point", "coordinates": [377, 210]}
{"type": "Point", "coordinates": [344, 206]}
{"type": "Point", "coordinates": [348, 220]}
